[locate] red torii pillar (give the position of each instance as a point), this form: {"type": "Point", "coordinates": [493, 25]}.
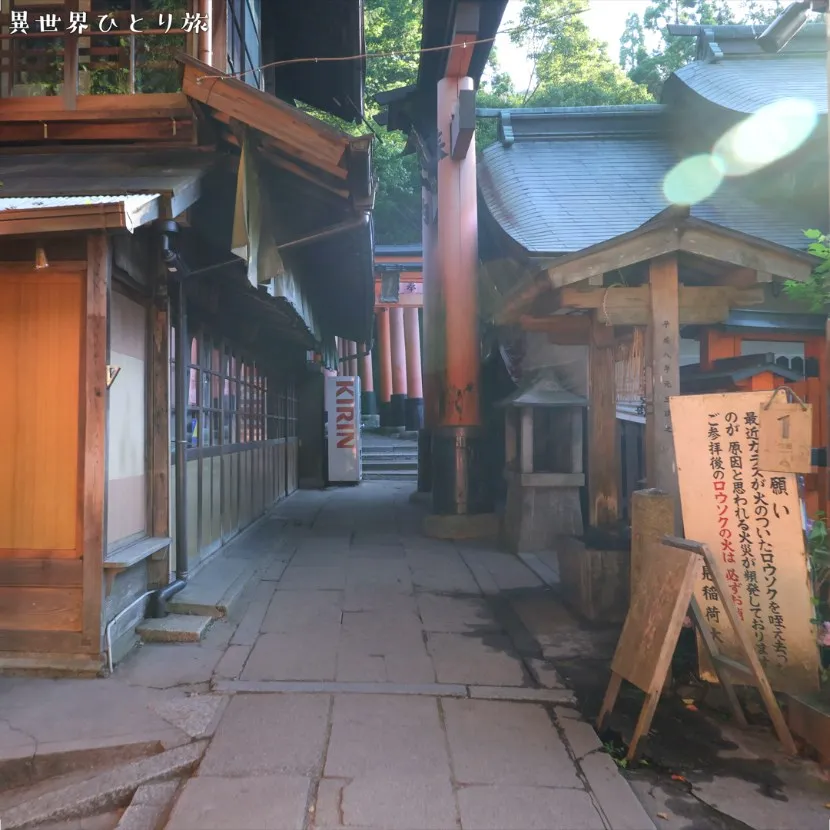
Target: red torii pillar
{"type": "Point", "coordinates": [368, 399]}
{"type": "Point", "coordinates": [384, 365]}
{"type": "Point", "coordinates": [414, 382]}
{"type": "Point", "coordinates": [397, 409]}
{"type": "Point", "coordinates": [460, 489]}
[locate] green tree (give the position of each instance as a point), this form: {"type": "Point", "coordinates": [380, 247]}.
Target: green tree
{"type": "Point", "coordinates": [651, 67]}
{"type": "Point", "coordinates": [570, 68]}
{"type": "Point", "coordinates": [393, 25]}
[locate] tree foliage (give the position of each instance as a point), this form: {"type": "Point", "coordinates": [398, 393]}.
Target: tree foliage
{"type": "Point", "coordinates": [814, 293]}
{"type": "Point", "coordinates": [649, 54]}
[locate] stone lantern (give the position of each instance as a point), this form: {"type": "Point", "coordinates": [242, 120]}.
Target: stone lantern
{"type": "Point", "coordinates": [544, 428]}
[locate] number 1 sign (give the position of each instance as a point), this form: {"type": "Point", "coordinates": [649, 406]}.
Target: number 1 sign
{"type": "Point", "coordinates": [785, 435]}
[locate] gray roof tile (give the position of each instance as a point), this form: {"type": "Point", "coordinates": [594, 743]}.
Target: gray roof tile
{"type": "Point", "coordinates": [561, 195]}
{"type": "Point", "coordinates": [747, 84]}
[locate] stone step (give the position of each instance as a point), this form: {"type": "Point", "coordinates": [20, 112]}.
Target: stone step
{"type": "Point", "coordinates": [395, 464]}
{"type": "Point", "coordinates": [174, 628]}
{"type": "Point", "coordinates": [104, 791]}
{"type": "Point", "coordinates": [384, 451]}
{"type": "Point", "coordinates": [390, 475]}
{"type": "Point", "coordinates": [216, 588]}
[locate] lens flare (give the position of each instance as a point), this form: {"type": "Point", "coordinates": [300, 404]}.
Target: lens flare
{"type": "Point", "coordinates": [769, 134]}
{"type": "Point", "coordinates": [693, 180]}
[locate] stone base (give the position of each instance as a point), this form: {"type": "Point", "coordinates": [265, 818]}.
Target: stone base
{"type": "Point", "coordinates": [809, 719]}
{"type": "Point", "coordinates": [397, 411]}
{"type": "Point", "coordinates": [595, 583]}
{"type": "Point", "coordinates": [368, 404]}
{"type": "Point", "coordinates": [470, 526]}
{"type": "Point", "coordinates": [535, 517]}
{"type": "Point", "coordinates": [414, 408]}
{"type": "Point", "coordinates": [384, 410]}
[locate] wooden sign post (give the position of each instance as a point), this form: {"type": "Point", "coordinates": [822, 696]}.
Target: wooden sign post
{"type": "Point", "coordinates": [786, 432]}
{"type": "Point", "coordinates": [751, 520]}
{"type": "Point", "coordinates": [651, 629]}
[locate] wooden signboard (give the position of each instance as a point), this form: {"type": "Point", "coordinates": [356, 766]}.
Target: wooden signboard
{"type": "Point", "coordinates": [786, 435]}
{"type": "Point", "coordinates": [751, 520]}
{"type": "Point", "coordinates": [649, 637]}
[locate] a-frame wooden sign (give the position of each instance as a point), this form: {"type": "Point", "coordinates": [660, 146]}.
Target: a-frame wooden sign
{"type": "Point", "coordinates": [645, 648]}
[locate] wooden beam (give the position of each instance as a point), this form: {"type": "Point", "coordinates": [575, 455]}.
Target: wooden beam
{"type": "Point", "coordinates": [165, 129]}
{"type": "Point", "coordinates": [563, 329]}
{"type": "Point", "coordinates": [604, 467]}
{"type": "Point", "coordinates": [612, 255]}
{"type": "Point", "coordinates": [663, 374]}
{"type": "Point", "coordinates": [93, 446]}
{"type": "Point", "coordinates": [699, 305]}
{"type": "Point", "coordinates": [52, 108]}
{"type": "Point", "coordinates": [465, 30]}
{"type": "Point", "coordinates": [463, 124]}
{"type": "Point", "coordinates": [709, 243]}
{"type": "Point", "coordinates": [295, 169]}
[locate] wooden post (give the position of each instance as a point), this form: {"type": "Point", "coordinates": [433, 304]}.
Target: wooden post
{"type": "Point", "coordinates": [527, 440]}
{"type": "Point", "coordinates": [433, 310]}
{"type": "Point", "coordinates": [604, 468]}
{"type": "Point", "coordinates": [399, 359]}
{"type": "Point", "coordinates": [159, 568]}
{"type": "Point", "coordinates": [663, 377]}
{"type": "Point", "coordinates": [94, 434]}
{"type": "Point", "coordinates": [652, 517]}
{"type": "Point", "coordinates": [384, 360]}
{"type": "Point", "coordinates": [206, 37]}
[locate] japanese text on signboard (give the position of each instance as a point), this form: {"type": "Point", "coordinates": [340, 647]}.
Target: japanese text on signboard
{"type": "Point", "coordinates": [81, 23]}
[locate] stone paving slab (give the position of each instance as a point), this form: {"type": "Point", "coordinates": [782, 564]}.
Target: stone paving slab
{"type": "Point", "coordinates": [467, 659]}
{"type": "Point", "coordinates": [519, 746]}
{"type": "Point", "coordinates": [267, 802]}
{"type": "Point", "coordinates": [309, 656]}
{"type": "Point", "coordinates": [264, 735]}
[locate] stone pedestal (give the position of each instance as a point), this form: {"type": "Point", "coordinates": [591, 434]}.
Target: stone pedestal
{"type": "Point", "coordinates": [540, 508]}
{"type": "Point", "coordinates": [595, 581]}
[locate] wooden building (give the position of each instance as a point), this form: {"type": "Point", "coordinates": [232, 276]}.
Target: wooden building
{"type": "Point", "coordinates": [596, 271]}
{"type": "Point", "coordinates": [175, 245]}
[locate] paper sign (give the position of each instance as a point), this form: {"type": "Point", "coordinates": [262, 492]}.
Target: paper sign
{"type": "Point", "coordinates": [786, 437]}
{"type": "Point", "coordinates": [751, 520]}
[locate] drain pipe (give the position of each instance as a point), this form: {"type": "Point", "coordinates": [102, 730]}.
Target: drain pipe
{"type": "Point", "coordinates": [158, 603]}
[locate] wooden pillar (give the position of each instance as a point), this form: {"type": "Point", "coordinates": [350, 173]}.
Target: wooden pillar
{"type": "Point", "coordinates": [206, 37]}
{"type": "Point", "coordinates": [433, 310]}
{"type": "Point", "coordinates": [367, 380]}
{"type": "Point", "coordinates": [397, 413]}
{"type": "Point", "coordinates": [604, 468]}
{"type": "Point", "coordinates": [663, 374]}
{"type": "Point", "coordinates": [92, 477]}
{"type": "Point", "coordinates": [414, 381]}
{"type": "Point", "coordinates": [458, 255]}
{"type": "Point", "coordinates": [577, 443]}
{"type": "Point", "coordinates": [159, 565]}
{"type": "Point", "coordinates": [385, 364]}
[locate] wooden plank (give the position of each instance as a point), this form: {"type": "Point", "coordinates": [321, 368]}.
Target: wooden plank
{"type": "Point", "coordinates": [166, 129]}
{"type": "Point", "coordinates": [604, 465]}
{"type": "Point", "coordinates": [562, 329]}
{"type": "Point", "coordinates": [611, 256]}
{"type": "Point", "coordinates": [61, 220]}
{"type": "Point", "coordinates": [40, 332]}
{"type": "Point", "coordinates": [663, 379]}
{"type": "Point", "coordinates": [619, 306]}
{"type": "Point", "coordinates": [40, 609]}
{"type": "Point", "coordinates": [98, 108]}
{"type": "Point", "coordinates": [93, 434]}
{"type": "Point", "coordinates": [265, 113]}
{"type": "Point", "coordinates": [43, 573]}
{"type": "Point", "coordinates": [711, 244]}
{"type": "Point", "coordinates": [37, 644]}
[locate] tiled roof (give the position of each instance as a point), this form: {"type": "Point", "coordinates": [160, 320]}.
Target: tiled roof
{"type": "Point", "coordinates": [745, 85]}
{"type": "Point", "coordinates": [562, 194]}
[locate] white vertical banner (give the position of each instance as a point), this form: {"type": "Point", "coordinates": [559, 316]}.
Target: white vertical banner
{"type": "Point", "coordinates": [343, 420]}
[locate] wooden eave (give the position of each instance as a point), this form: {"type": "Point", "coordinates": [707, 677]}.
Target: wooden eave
{"type": "Point", "coordinates": [151, 118]}
{"type": "Point", "coordinates": [289, 134]}
{"type": "Point", "coordinates": [111, 216]}
{"type": "Point", "coordinates": [665, 234]}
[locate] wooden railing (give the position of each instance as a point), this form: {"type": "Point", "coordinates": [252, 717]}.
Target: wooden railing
{"type": "Point", "coordinates": [104, 58]}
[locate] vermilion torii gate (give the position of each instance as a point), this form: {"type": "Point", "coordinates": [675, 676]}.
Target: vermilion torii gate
{"type": "Point", "coordinates": [439, 116]}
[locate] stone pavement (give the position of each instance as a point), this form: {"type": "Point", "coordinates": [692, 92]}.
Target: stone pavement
{"type": "Point", "coordinates": [369, 678]}
{"type": "Point", "coordinates": [376, 682]}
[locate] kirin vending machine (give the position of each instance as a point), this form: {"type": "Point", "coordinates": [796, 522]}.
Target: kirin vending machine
{"type": "Point", "coordinates": [343, 429]}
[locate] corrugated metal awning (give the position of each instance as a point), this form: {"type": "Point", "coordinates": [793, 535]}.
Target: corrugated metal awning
{"type": "Point", "coordinates": [136, 209]}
